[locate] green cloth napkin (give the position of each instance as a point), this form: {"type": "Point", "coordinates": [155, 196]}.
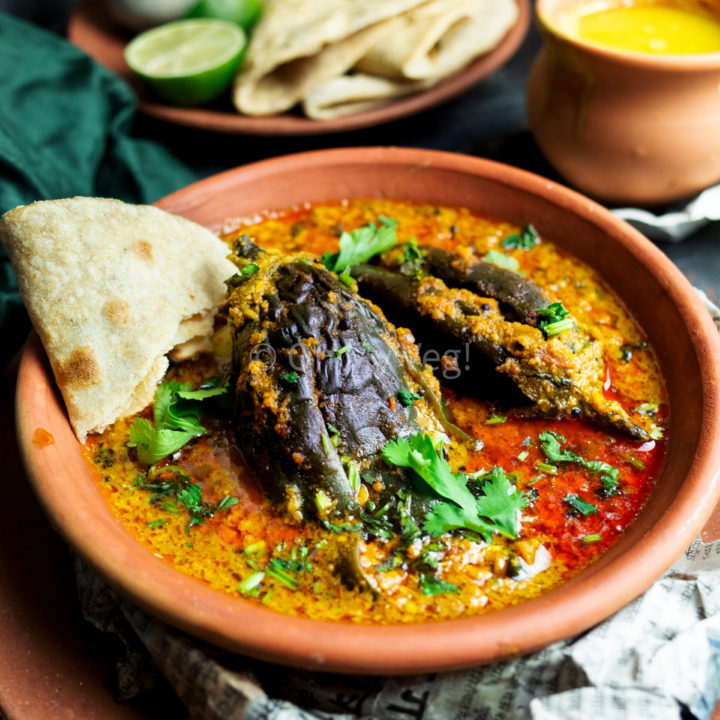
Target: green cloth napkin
{"type": "Point", "coordinates": [65, 130]}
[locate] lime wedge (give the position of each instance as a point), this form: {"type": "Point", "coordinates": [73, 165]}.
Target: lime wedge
{"type": "Point", "coordinates": [244, 13]}
{"type": "Point", "coordinates": [188, 62]}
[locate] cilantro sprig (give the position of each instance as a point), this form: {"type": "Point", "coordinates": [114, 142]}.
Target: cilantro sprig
{"type": "Point", "coordinates": [360, 245]}
{"type": "Point", "coordinates": [551, 444]}
{"type": "Point", "coordinates": [555, 319]}
{"type": "Point", "coordinates": [496, 510]}
{"type": "Point", "coordinates": [174, 490]}
{"type": "Point", "coordinates": [176, 419]}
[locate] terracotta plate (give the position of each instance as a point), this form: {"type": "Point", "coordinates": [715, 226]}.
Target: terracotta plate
{"type": "Point", "coordinates": [653, 288]}
{"type": "Point", "coordinates": [94, 32]}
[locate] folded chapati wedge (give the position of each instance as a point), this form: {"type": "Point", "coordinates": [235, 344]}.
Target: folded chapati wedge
{"type": "Point", "coordinates": [342, 56]}
{"type": "Point", "coordinates": [438, 38]}
{"type": "Point", "coordinates": [111, 288]}
{"type": "Point", "coordinates": [299, 44]}
{"type": "Point", "coordinates": [355, 93]}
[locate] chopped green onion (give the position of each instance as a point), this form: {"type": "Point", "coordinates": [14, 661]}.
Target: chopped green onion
{"type": "Point", "coordinates": [634, 461]}
{"type": "Point", "coordinates": [327, 445]}
{"type": "Point", "coordinates": [256, 548]}
{"type": "Point", "coordinates": [275, 570]}
{"type": "Point", "coordinates": [353, 472]}
{"type": "Point", "coordinates": [547, 468]}
{"type": "Point", "coordinates": [523, 455]}
{"type": "Point", "coordinates": [557, 327]}
{"type": "Point", "coordinates": [250, 583]}
{"type": "Point", "coordinates": [589, 539]}
{"type": "Point", "coordinates": [496, 419]}
{"type": "Point", "coordinates": [322, 502]}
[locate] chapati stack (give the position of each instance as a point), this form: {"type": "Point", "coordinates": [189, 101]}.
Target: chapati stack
{"type": "Point", "coordinates": [336, 57]}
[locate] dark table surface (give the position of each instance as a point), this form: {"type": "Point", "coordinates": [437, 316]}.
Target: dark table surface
{"type": "Point", "coordinates": [69, 675]}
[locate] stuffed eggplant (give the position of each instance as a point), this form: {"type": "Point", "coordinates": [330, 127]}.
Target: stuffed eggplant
{"type": "Point", "coordinates": [322, 383]}
{"type": "Point", "coordinates": [454, 302]}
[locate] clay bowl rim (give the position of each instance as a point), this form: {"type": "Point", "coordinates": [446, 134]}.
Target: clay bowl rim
{"type": "Point", "coordinates": [621, 575]}
{"type": "Point", "coordinates": [660, 62]}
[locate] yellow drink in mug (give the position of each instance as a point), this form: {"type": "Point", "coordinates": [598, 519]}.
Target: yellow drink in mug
{"type": "Point", "coordinates": [623, 98]}
{"type": "Point", "coordinates": [652, 27]}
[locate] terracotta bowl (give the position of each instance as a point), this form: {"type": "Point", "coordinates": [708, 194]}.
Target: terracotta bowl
{"type": "Point", "coordinates": [625, 127]}
{"type": "Point", "coordinates": [652, 287]}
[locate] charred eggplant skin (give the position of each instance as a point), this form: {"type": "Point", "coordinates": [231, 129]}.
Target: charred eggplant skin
{"type": "Point", "coordinates": [317, 372]}
{"type": "Point", "coordinates": [520, 299]}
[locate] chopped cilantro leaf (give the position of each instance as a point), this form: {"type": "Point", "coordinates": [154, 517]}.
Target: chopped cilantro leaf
{"type": "Point", "coordinates": [550, 444]}
{"type": "Point", "coordinates": [175, 414]}
{"type": "Point", "coordinates": [501, 260]}
{"type": "Point", "coordinates": [152, 444]}
{"type": "Point", "coordinates": [208, 390]}
{"type": "Point", "coordinates": [360, 245]}
{"type": "Point", "coordinates": [290, 377]}
{"type": "Point", "coordinates": [411, 261]}
{"type": "Point", "coordinates": [408, 398]}
{"type": "Point", "coordinates": [431, 585]}
{"type": "Point", "coordinates": [418, 452]}
{"type": "Point", "coordinates": [411, 251]}
{"type": "Point", "coordinates": [527, 238]}
{"type": "Point", "coordinates": [178, 491]}
{"type": "Point", "coordinates": [581, 506]}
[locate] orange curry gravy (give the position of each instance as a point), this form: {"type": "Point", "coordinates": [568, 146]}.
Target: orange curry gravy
{"type": "Point", "coordinates": [250, 550]}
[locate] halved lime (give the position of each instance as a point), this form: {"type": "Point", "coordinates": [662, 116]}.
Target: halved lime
{"type": "Point", "coordinates": [188, 62]}
{"type": "Point", "coordinates": [242, 12]}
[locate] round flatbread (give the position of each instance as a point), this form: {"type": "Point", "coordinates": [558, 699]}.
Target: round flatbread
{"type": "Point", "coordinates": [111, 288]}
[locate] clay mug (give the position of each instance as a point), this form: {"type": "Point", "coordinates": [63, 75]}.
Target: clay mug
{"type": "Point", "coordinates": [624, 127]}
